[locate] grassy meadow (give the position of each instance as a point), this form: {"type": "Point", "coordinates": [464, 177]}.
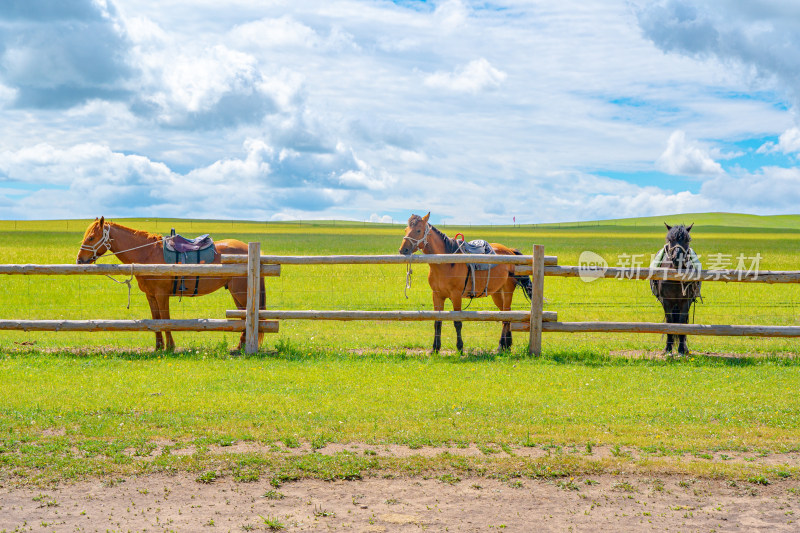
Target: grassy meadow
{"type": "Point", "coordinates": [375, 287]}
{"type": "Point", "coordinates": [73, 405]}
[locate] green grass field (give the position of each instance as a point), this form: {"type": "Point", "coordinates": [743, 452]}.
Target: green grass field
{"type": "Point", "coordinates": [89, 404]}
{"type": "Point", "coordinates": [382, 287]}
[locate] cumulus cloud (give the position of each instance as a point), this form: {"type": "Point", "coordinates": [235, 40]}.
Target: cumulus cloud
{"type": "Point", "coordinates": [335, 108]}
{"type": "Point", "coordinates": [770, 190]}
{"type": "Point", "coordinates": [212, 88]}
{"type": "Point", "coordinates": [788, 143]}
{"type": "Point", "coordinates": [451, 15]}
{"type": "Point", "coordinates": [687, 158]}
{"type": "Point", "coordinates": [476, 76]}
{"type": "Point", "coordinates": [384, 219]}
{"type": "Point", "coordinates": [759, 35]}
{"type": "Point", "coordinates": [274, 33]}
{"type": "Point", "coordinates": [56, 54]}
{"type": "Point", "coordinates": [93, 176]}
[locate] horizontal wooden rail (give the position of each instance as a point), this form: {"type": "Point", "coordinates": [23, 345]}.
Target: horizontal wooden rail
{"type": "Point", "coordinates": [388, 259]}
{"type": "Point", "coordinates": [661, 328]}
{"type": "Point", "coordinates": [139, 270]}
{"type": "Point", "coordinates": [195, 324]}
{"type": "Point", "coordinates": [466, 316]}
{"type": "Point", "coordinates": [763, 276]}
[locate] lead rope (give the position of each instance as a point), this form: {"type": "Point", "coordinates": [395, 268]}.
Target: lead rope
{"type": "Point", "coordinates": [408, 279]}
{"type": "Point", "coordinates": [126, 282]}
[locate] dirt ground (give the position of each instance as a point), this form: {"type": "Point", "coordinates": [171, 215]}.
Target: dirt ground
{"type": "Point", "coordinates": [602, 503]}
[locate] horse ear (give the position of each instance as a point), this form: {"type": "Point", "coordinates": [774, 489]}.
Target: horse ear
{"type": "Point", "coordinates": [690, 227]}
{"type": "Point", "coordinates": [668, 226]}
{"type": "Point", "coordinates": [426, 217]}
{"type": "Point", "coordinates": [102, 221]}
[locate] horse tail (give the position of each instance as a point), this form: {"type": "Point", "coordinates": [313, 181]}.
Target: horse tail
{"type": "Point", "coordinates": [262, 295]}
{"type": "Point", "coordinates": [523, 281]}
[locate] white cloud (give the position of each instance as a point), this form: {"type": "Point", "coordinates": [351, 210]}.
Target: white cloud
{"type": "Point", "coordinates": [788, 143]}
{"type": "Point", "coordinates": [760, 36]}
{"type": "Point", "coordinates": [385, 219]}
{"type": "Point", "coordinates": [336, 108]}
{"type": "Point", "coordinates": [274, 33]}
{"type": "Point", "coordinates": [451, 15]}
{"type": "Point", "coordinates": [207, 88]}
{"type": "Point", "coordinates": [770, 190]}
{"type": "Point", "coordinates": [687, 158]}
{"type": "Point", "coordinates": [477, 75]}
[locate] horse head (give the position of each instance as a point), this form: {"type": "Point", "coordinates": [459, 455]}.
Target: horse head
{"type": "Point", "coordinates": [416, 236]}
{"type": "Point", "coordinates": [677, 249]}
{"type": "Point", "coordinates": [96, 242]}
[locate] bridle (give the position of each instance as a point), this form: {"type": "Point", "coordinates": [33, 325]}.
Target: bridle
{"type": "Point", "coordinates": [668, 250]}
{"type": "Point", "coordinates": [415, 243]}
{"type": "Point", "coordinates": [104, 241]}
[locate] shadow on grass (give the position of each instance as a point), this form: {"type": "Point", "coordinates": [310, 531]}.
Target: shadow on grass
{"type": "Point", "coordinates": [287, 350]}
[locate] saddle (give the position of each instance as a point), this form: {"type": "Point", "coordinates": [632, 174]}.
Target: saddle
{"type": "Point", "coordinates": [476, 247]}
{"type": "Point", "coordinates": [179, 249]}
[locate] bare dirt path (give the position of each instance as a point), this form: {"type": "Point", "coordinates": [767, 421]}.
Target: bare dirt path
{"type": "Point", "coordinates": [601, 503]}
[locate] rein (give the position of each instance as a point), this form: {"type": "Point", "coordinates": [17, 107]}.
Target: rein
{"type": "Point", "coordinates": [668, 248]}
{"type": "Point", "coordinates": [106, 241]}
{"type": "Point", "coordinates": [415, 243]}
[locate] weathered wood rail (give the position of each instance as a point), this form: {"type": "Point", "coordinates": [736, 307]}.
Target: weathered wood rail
{"type": "Point", "coordinates": [536, 321]}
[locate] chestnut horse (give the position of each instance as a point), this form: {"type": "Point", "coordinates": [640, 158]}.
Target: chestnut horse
{"type": "Point", "coordinates": [449, 280]}
{"type": "Point", "coordinates": [135, 246]}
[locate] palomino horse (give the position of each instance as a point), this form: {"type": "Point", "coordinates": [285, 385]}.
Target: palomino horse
{"type": "Point", "coordinates": [676, 296]}
{"type": "Point", "coordinates": [449, 280]}
{"type": "Point", "coordinates": [135, 246]}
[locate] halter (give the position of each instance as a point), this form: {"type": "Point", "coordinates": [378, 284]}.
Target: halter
{"type": "Point", "coordinates": [415, 244]}
{"type": "Point", "coordinates": [105, 241]}
{"type": "Point", "coordinates": [424, 240]}
{"type": "Point", "coordinates": [668, 248]}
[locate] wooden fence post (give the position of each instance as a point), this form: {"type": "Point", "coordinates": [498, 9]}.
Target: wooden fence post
{"type": "Point", "coordinates": [253, 288]}
{"type": "Point", "coordinates": [537, 300]}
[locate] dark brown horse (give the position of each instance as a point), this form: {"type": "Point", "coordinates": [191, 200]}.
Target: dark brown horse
{"type": "Point", "coordinates": [135, 246]}
{"type": "Point", "coordinates": [449, 280]}
{"type": "Point", "coordinates": [677, 297]}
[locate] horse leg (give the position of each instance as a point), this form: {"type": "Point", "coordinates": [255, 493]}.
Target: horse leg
{"type": "Point", "coordinates": [457, 323]}
{"type": "Point", "coordinates": [163, 306]}
{"type": "Point", "coordinates": [156, 314]}
{"type": "Point", "coordinates": [438, 305]}
{"type": "Point", "coordinates": [683, 318]}
{"type": "Point", "coordinates": [668, 315]}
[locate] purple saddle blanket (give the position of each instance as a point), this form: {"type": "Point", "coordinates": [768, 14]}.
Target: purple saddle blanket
{"type": "Point", "coordinates": [179, 249]}
{"type": "Point", "coordinates": [180, 244]}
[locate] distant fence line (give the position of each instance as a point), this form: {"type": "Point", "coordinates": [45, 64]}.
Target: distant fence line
{"type": "Point", "coordinates": [536, 321]}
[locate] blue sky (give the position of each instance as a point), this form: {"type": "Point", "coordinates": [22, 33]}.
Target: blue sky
{"type": "Point", "coordinates": [371, 110]}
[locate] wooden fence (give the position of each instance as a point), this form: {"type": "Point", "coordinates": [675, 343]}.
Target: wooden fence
{"type": "Point", "coordinates": [536, 321]}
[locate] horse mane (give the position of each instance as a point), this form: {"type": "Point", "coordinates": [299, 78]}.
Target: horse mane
{"type": "Point", "coordinates": [679, 233]}
{"type": "Point", "coordinates": [137, 232]}
{"type": "Point", "coordinates": [450, 245]}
